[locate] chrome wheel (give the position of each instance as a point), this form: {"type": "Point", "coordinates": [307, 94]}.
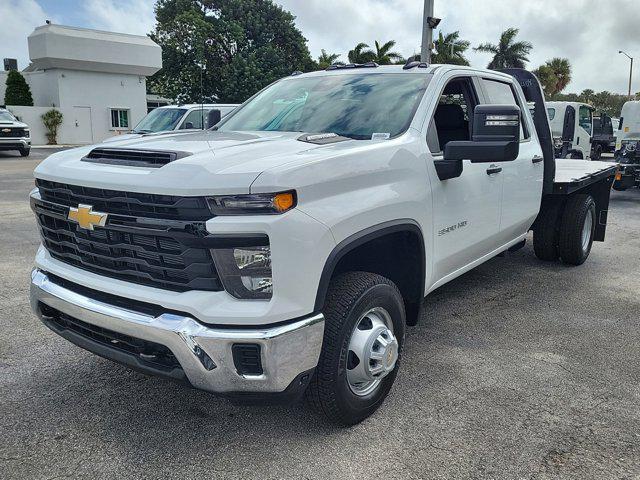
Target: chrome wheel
{"type": "Point", "coordinates": [373, 351]}
{"type": "Point", "coordinates": [586, 230]}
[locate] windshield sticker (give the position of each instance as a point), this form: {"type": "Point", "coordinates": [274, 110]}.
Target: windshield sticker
{"type": "Point", "coordinates": [380, 136]}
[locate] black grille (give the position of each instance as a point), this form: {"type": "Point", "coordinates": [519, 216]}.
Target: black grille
{"type": "Point", "coordinates": [166, 207]}
{"type": "Point", "coordinates": [13, 132]}
{"type": "Point", "coordinates": [151, 353]}
{"type": "Point", "coordinates": [158, 261]}
{"type": "Point", "coordinates": [132, 157]}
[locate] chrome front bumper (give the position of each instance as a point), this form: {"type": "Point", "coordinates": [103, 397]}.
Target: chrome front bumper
{"type": "Point", "coordinates": [204, 353]}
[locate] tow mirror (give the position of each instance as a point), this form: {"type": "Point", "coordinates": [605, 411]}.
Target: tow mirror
{"type": "Point", "coordinates": [496, 138]}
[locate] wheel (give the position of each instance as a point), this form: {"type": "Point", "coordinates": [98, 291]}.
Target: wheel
{"type": "Point", "coordinates": [25, 152]}
{"type": "Point", "coordinates": [576, 156]}
{"type": "Point", "coordinates": [363, 338]}
{"type": "Point", "coordinates": [619, 189]}
{"type": "Point", "coordinates": [596, 153]}
{"type": "Point", "coordinates": [545, 233]}
{"type": "Point", "coordinates": [577, 227]}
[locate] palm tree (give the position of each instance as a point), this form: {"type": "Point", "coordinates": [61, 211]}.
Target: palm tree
{"type": "Point", "coordinates": [508, 53]}
{"type": "Point", "coordinates": [450, 49]}
{"type": "Point", "coordinates": [361, 54]}
{"type": "Point", "coordinates": [383, 55]}
{"type": "Point", "coordinates": [327, 59]}
{"type": "Point", "coordinates": [561, 69]}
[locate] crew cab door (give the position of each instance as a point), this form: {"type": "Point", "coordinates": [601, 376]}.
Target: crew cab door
{"type": "Point", "coordinates": [584, 130]}
{"type": "Point", "coordinates": [523, 177]}
{"type": "Point", "coordinates": [466, 209]}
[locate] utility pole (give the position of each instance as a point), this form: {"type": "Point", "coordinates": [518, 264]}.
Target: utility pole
{"type": "Point", "coordinates": [630, 71]}
{"type": "Point", "coordinates": [427, 31]}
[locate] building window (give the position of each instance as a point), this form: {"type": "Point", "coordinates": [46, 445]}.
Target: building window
{"type": "Point", "coordinates": [119, 118]}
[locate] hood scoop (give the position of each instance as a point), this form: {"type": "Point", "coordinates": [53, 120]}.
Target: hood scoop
{"type": "Point", "coordinates": [322, 138]}
{"type": "Point", "coordinates": [132, 157]}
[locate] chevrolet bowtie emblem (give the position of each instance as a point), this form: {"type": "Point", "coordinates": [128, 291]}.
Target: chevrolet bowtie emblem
{"type": "Point", "coordinates": [86, 217]}
{"type": "Point", "coordinates": [6, 130]}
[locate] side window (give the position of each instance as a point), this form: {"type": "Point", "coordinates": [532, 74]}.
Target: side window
{"type": "Point", "coordinates": [453, 116]}
{"type": "Point", "coordinates": [585, 119]}
{"type": "Point", "coordinates": [501, 93]}
{"type": "Point", "coordinates": [194, 118]}
{"type": "Point", "coordinates": [551, 112]}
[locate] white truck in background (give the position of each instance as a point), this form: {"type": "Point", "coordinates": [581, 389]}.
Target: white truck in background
{"type": "Point", "coordinates": [572, 128]}
{"type": "Point", "coordinates": [628, 147]}
{"type": "Point", "coordinates": [171, 118]}
{"type": "Point", "coordinates": [285, 251]}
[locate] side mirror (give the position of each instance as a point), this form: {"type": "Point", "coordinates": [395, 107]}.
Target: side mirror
{"type": "Point", "coordinates": [496, 138]}
{"type": "Point", "coordinates": [188, 125]}
{"type": "Point", "coordinates": [213, 117]}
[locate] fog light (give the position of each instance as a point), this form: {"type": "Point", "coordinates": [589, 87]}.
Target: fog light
{"type": "Point", "coordinates": [245, 272]}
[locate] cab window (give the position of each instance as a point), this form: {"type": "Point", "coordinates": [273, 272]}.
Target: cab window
{"type": "Point", "coordinates": [194, 119]}
{"type": "Point", "coordinates": [551, 112]}
{"type": "Point", "coordinates": [585, 118]}
{"type": "Point", "coordinates": [501, 93]}
{"type": "Point", "coordinates": [453, 116]}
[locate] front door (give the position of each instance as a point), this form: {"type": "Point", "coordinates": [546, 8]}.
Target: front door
{"type": "Point", "coordinates": [80, 128]}
{"type": "Point", "coordinates": [466, 210]}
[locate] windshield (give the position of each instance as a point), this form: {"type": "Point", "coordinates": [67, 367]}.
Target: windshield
{"type": "Point", "coordinates": [6, 116]}
{"type": "Point", "coordinates": [355, 106]}
{"type": "Point", "coordinates": [160, 120]}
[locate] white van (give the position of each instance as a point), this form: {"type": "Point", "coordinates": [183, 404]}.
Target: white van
{"type": "Point", "coordinates": [175, 117]}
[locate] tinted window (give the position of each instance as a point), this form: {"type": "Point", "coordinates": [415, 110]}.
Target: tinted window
{"type": "Point", "coordinates": [552, 113]}
{"type": "Point", "coordinates": [501, 93]}
{"type": "Point", "coordinates": [353, 105]}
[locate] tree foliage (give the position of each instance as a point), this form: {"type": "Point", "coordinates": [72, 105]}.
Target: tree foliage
{"type": "Point", "coordinates": [327, 59]}
{"type": "Point", "coordinates": [52, 120]}
{"type": "Point", "coordinates": [383, 54]}
{"type": "Point", "coordinates": [18, 91]}
{"type": "Point", "coordinates": [507, 53]}
{"type": "Point", "coordinates": [605, 101]}
{"type": "Point", "coordinates": [450, 49]}
{"type": "Point", "coordinates": [361, 53]}
{"type": "Point", "coordinates": [240, 46]}
{"type": "Point", "coordinates": [554, 76]}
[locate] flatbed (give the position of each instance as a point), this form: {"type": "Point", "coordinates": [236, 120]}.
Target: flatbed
{"type": "Point", "coordinates": [573, 175]}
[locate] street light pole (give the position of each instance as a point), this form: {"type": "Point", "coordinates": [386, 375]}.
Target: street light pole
{"type": "Point", "coordinates": [427, 32]}
{"type": "Point", "coordinates": [630, 71]}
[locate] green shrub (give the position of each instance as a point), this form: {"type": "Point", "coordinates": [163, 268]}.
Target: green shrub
{"type": "Point", "coordinates": [52, 121]}
{"type": "Point", "coordinates": [18, 91]}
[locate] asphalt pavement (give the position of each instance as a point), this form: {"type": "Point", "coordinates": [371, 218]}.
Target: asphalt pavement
{"type": "Point", "coordinates": [519, 370]}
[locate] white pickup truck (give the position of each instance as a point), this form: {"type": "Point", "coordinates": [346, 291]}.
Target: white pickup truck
{"type": "Point", "coordinates": [286, 251]}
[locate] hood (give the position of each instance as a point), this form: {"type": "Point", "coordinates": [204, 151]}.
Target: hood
{"type": "Point", "coordinates": [211, 162]}
{"type": "Point", "coordinates": [9, 123]}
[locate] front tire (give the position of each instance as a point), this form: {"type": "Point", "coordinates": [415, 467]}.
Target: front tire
{"type": "Point", "coordinates": [577, 229]}
{"type": "Point", "coordinates": [25, 152]}
{"type": "Point", "coordinates": [363, 337]}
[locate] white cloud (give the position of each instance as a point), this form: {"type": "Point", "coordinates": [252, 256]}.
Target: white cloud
{"type": "Point", "coordinates": [588, 32]}
{"type": "Point", "coordinates": [19, 18]}
{"type": "Point", "coordinates": [130, 16]}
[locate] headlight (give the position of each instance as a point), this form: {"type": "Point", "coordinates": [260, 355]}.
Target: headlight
{"type": "Point", "coordinates": [27, 133]}
{"type": "Point", "coordinates": [245, 271]}
{"type": "Point", "coordinates": [253, 204]}
{"type": "Point", "coordinates": [629, 145]}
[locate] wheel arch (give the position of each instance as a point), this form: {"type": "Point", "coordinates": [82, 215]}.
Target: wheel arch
{"type": "Point", "coordinates": [405, 266]}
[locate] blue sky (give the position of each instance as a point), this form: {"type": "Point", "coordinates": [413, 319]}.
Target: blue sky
{"type": "Point", "coordinates": [588, 32]}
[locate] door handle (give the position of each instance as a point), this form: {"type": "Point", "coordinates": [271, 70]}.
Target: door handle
{"type": "Point", "coordinates": [537, 159]}
{"type": "Point", "coordinates": [493, 169]}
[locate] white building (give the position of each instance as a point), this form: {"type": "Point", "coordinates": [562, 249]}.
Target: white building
{"type": "Point", "coordinates": [96, 79]}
